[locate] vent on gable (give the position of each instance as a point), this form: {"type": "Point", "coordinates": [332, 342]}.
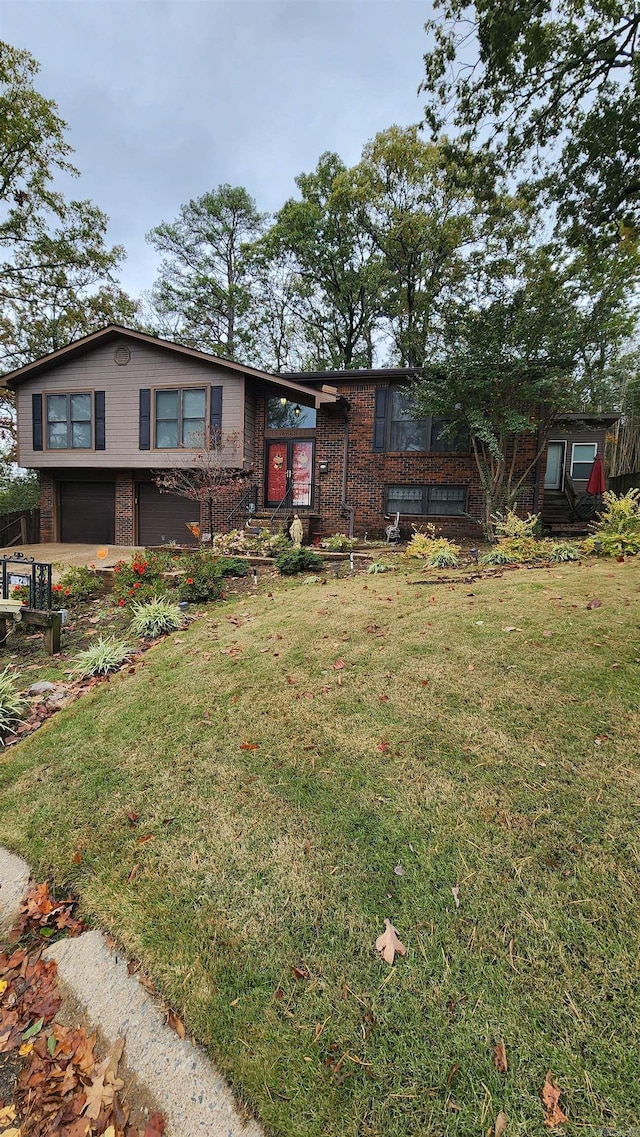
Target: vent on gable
{"type": "Point", "coordinates": [122, 355]}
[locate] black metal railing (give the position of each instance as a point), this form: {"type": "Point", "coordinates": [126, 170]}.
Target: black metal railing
{"type": "Point", "coordinates": [243, 507]}
{"type": "Point", "coordinates": [19, 571]}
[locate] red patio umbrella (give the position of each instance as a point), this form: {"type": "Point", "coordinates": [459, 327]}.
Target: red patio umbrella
{"type": "Point", "coordinates": [596, 484]}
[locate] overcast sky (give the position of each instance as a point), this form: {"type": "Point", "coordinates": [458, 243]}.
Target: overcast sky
{"type": "Point", "coordinates": [166, 99]}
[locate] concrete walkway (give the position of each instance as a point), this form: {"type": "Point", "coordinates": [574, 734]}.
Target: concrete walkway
{"type": "Point", "coordinates": [192, 1096]}
{"type": "Point", "coordinates": [64, 555]}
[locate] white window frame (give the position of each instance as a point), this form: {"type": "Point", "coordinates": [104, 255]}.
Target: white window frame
{"type": "Point", "coordinates": [573, 450]}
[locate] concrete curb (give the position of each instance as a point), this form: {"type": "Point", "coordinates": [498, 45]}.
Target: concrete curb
{"type": "Point", "coordinates": [188, 1090]}
{"type": "Point", "coordinates": [193, 1097]}
{"type": "Point", "coordinates": [14, 882]}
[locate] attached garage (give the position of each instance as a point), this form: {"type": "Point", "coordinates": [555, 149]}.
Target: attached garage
{"type": "Point", "coordinates": [87, 512]}
{"type": "Point", "coordinates": [163, 517]}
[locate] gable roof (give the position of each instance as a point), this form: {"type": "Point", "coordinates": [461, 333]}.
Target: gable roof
{"type": "Point", "coordinates": [13, 379]}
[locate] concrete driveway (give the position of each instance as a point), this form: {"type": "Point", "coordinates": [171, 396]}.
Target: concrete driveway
{"type": "Point", "coordinates": [64, 555]}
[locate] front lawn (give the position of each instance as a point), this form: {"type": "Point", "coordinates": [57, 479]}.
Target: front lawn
{"type": "Point", "coordinates": [299, 765]}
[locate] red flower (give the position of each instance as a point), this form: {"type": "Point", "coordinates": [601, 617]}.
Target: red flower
{"type": "Point", "coordinates": [121, 603]}
{"type": "Point", "coordinates": [67, 592]}
{"type": "Point", "coordinates": [130, 593]}
{"type": "Point", "coordinates": [189, 580]}
{"type": "Point", "coordinates": [116, 568]}
{"type": "Point", "coordinates": [137, 584]}
{"type": "Point", "coordinates": [56, 588]}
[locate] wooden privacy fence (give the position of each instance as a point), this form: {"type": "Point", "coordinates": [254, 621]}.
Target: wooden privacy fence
{"type": "Point", "coordinates": [623, 482]}
{"type": "Point", "coordinates": [22, 527]}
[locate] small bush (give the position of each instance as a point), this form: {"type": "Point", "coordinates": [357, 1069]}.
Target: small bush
{"type": "Point", "coordinates": [156, 618]}
{"type": "Point", "coordinates": [618, 526]}
{"type": "Point", "coordinates": [379, 566]}
{"type": "Point", "coordinates": [11, 703]}
{"type": "Point", "coordinates": [298, 560]}
{"type": "Point", "coordinates": [563, 551]}
{"type": "Point", "coordinates": [507, 525]}
{"type": "Point", "coordinates": [339, 543]}
{"type": "Point", "coordinates": [232, 566]}
{"type": "Point", "coordinates": [499, 555]}
{"type": "Point", "coordinates": [139, 579]}
{"type": "Point", "coordinates": [437, 552]}
{"type": "Point", "coordinates": [76, 584]}
{"type": "Point", "coordinates": [203, 576]}
{"type": "Point", "coordinates": [103, 656]}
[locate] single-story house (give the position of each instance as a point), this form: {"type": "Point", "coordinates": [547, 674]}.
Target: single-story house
{"type": "Point", "coordinates": [100, 418]}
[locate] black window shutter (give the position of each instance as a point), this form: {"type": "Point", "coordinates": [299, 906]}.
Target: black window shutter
{"type": "Point", "coordinates": [380, 419]}
{"type": "Point", "coordinates": [145, 419]}
{"type": "Point", "coordinates": [98, 414]}
{"type": "Point", "coordinates": [36, 420]}
{"type": "Point", "coordinates": [215, 414]}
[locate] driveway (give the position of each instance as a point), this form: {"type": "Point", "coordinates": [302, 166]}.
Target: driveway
{"type": "Point", "coordinates": [62, 556]}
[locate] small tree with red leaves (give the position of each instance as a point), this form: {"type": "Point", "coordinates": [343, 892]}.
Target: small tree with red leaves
{"type": "Point", "coordinates": [210, 470]}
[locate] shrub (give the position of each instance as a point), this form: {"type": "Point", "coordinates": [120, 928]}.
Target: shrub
{"type": "Point", "coordinates": [11, 703]}
{"type": "Point", "coordinates": [378, 567]}
{"type": "Point", "coordinates": [499, 555]}
{"type": "Point", "coordinates": [156, 617]}
{"type": "Point", "coordinates": [139, 579]}
{"type": "Point", "coordinates": [203, 576]}
{"type": "Point", "coordinates": [103, 656]}
{"type": "Point", "coordinates": [232, 566]}
{"type": "Point", "coordinates": [78, 583]}
{"type": "Point", "coordinates": [339, 543]}
{"type": "Point", "coordinates": [508, 525]}
{"type": "Point", "coordinates": [563, 551]}
{"type": "Point", "coordinates": [618, 526]}
{"type": "Point", "coordinates": [298, 560]}
{"type": "Point", "coordinates": [437, 552]}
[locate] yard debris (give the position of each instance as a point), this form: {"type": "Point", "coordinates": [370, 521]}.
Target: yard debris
{"type": "Point", "coordinates": [42, 914]}
{"type": "Point", "coordinates": [500, 1057]}
{"type": "Point", "coordinates": [389, 944]}
{"type": "Point", "coordinates": [595, 603]}
{"type": "Point", "coordinates": [500, 1127]}
{"type": "Point", "coordinates": [61, 1087]}
{"type": "Point", "coordinates": [455, 892]}
{"type": "Point", "coordinates": [551, 1097]}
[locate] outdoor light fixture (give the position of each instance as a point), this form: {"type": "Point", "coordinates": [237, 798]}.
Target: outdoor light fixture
{"type": "Point", "coordinates": [474, 553]}
{"type": "Point", "coordinates": [183, 605]}
{"type": "Point", "coordinates": [297, 410]}
{"type": "Point", "coordinates": [336, 569]}
{"type": "Point", "coordinates": [283, 400]}
{"type": "Point", "coordinates": [598, 547]}
{"type": "Point", "coordinates": [255, 577]}
{"type": "Point", "coordinates": [323, 467]}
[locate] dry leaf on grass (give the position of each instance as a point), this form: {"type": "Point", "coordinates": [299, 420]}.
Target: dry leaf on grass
{"type": "Point", "coordinates": [551, 1097]}
{"type": "Point", "coordinates": [500, 1127]}
{"type": "Point", "coordinates": [455, 892]}
{"type": "Point", "coordinates": [389, 944]}
{"type": "Point", "coordinates": [500, 1057]}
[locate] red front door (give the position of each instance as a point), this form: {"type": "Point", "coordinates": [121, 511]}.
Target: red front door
{"type": "Point", "coordinates": [290, 471]}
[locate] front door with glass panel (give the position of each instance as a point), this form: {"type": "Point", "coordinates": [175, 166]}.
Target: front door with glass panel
{"type": "Point", "coordinates": [290, 471]}
{"type": "Point", "coordinates": [554, 474]}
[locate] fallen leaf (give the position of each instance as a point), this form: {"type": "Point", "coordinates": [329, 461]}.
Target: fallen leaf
{"type": "Point", "coordinates": [389, 944]}
{"type": "Point", "coordinates": [133, 817]}
{"type": "Point", "coordinates": [551, 1097]}
{"type": "Point", "coordinates": [383, 746]}
{"type": "Point", "coordinates": [547, 632]}
{"type": "Point", "coordinates": [500, 1057]}
{"type": "Point", "coordinates": [510, 628]}
{"type": "Point", "coordinates": [595, 603]}
{"type": "Point", "coordinates": [500, 1127]}
{"type": "Point", "coordinates": [455, 892]}
{"type": "Point", "coordinates": [299, 972]}
{"type": "Point", "coordinates": [398, 870]}
{"type": "Point", "coordinates": [176, 1024]}
{"type": "Point", "coordinates": [147, 837]}
{"type": "Point", "coordinates": [338, 665]}
{"type": "Point", "coordinates": [249, 745]}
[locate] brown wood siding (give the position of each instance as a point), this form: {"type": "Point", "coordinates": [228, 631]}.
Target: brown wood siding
{"type": "Point", "coordinates": [570, 436]}
{"type": "Point", "coordinates": [87, 512]}
{"type": "Point", "coordinates": [162, 517]}
{"type": "Point", "coordinates": [97, 371]}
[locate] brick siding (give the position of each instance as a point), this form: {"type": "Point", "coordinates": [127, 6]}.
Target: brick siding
{"type": "Point", "coordinates": [125, 520]}
{"type": "Point", "coordinates": [48, 526]}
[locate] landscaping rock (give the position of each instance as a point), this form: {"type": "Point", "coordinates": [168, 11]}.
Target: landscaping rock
{"type": "Point", "coordinates": [14, 881]}
{"type": "Point", "coordinates": [41, 688]}
{"type": "Point", "coordinates": [193, 1097]}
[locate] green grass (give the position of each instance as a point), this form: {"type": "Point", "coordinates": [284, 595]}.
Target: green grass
{"type": "Point", "coordinates": [502, 762]}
